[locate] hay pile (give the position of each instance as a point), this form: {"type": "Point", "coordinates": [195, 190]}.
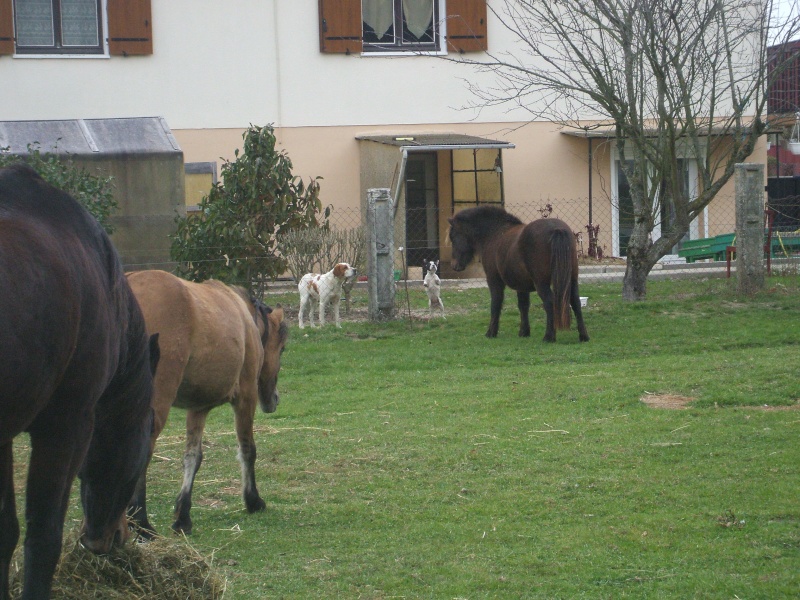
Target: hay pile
{"type": "Point", "coordinates": [164, 568]}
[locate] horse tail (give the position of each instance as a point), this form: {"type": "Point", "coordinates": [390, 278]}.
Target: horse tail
{"type": "Point", "coordinates": [561, 259]}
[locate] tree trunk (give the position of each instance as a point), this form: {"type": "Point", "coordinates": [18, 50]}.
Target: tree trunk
{"type": "Point", "coordinates": [638, 264]}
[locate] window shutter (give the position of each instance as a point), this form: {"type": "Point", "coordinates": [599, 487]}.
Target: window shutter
{"type": "Point", "coordinates": [129, 27]}
{"type": "Point", "coordinates": [466, 26]}
{"type": "Point", "coordinates": [6, 28]}
{"type": "Point", "coordinates": [340, 26]}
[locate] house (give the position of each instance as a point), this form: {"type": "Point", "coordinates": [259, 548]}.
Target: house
{"type": "Point", "coordinates": [357, 91]}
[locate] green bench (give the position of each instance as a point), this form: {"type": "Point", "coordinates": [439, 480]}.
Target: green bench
{"type": "Point", "coordinates": [711, 247]}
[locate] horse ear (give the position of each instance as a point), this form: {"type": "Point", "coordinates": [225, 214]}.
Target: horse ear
{"type": "Point", "coordinates": [277, 313]}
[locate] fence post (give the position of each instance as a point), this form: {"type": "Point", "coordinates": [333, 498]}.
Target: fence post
{"type": "Point", "coordinates": [380, 253]}
{"type": "Point", "coordinates": [749, 227]}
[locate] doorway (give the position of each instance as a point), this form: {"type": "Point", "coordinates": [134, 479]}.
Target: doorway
{"type": "Point", "coordinates": [422, 208]}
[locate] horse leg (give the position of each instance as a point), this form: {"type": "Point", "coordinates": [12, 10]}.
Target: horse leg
{"type": "Point", "coordinates": [9, 526]}
{"type": "Point", "coordinates": [303, 303]}
{"type": "Point", "coordinates": [497, 292]}
{"type": "Point", "coordinates": [192, 458]}
{"type": "Point", "coordinates": [55, 459]}
{"type": "Point", "coordinates": [546, 294]}
{"type": "Point", "coordinates": [244, 414]}
{"type": "Point", "coordinates": [524, 304]}
{"type": "Point", "coordinates": [575, 303]}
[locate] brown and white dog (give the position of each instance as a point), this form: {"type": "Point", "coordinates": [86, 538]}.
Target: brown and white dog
{"type": "Point", "coordinates": [323, 290]}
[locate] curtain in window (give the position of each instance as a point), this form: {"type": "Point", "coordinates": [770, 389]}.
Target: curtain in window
{"type": "Point", "coordinates": [34, 22]}
{"type": "Point", "coordinates": [378, 14]}
{"type": "Point", "coordinates": [418, 15]}
{"type": "Point", "coordinates": [79, 22]}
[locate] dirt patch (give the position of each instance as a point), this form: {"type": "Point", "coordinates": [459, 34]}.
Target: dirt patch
{"type": "Point", "coordinates": [667, 401]}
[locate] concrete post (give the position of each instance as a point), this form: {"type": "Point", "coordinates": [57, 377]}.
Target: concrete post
{"type": "Point", "coordinates": [749, 227]}
{"type": "Point", "coordinates": [380, 254]}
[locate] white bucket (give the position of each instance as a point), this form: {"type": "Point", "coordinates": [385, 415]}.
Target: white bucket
{"type": "Point", "coordinates": [584, 301]}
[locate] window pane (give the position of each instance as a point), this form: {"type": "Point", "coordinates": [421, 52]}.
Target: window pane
{"type": "Point", "coordinates": [378, 18]}
{"type": "Point", "coordinates": [418, 21]}
{"type": "Point", "coordinates": [487, 159]}
{"type": "Point", "coordinates": [464, 187]}
{"type": "Point", "coordinates": [34, 22]}
{"type": "Point", "coordinates": [489, 187]}
{"type": "Point", "coordinates": [463, 160]}
{"type": "Point", "coordinates": [79, 23]}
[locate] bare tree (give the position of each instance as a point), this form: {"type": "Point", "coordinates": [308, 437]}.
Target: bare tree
{"type": "Point", "coordinates": [674, 79]}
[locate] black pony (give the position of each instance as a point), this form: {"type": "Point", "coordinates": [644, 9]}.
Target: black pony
{"type": "Point", "coordinates": [76, 373]}
{"type": "Point", "coordinates": [540, 256]}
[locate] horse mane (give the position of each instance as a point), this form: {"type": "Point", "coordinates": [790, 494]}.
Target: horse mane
{"type": "Point", "coordinates": [486, 219]}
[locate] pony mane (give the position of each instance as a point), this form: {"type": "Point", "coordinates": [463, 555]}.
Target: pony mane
{"type": "Point", "coordinates": [486, 218]}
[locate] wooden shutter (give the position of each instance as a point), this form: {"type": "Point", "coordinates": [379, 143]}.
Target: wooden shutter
{"type": "Point", "coordinates": [340, 26]}
{"type": "Point", "coordinates": [129, 27]}
{"type": "Point", "coordinates": [6, 28]}
{"type": "Point", "coordinates": [466, 26]}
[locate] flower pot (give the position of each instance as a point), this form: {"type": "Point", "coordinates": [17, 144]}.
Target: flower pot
{"type": "Point", "coordinates": [794, 147]}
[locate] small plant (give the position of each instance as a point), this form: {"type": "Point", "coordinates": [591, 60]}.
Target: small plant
{"type": "Point", "coordinates": [94, 192]}
{"type": "Point", "coordinates": [545, 211]}
{"type": "Point", "coordinates": [595, 250]}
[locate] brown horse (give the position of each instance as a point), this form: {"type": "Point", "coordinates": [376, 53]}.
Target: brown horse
{"type": "Point", "coordinates": [540, 256]}
{"type": "Point", "coordinates": [75, 373]}
{"type": "Point", "coordinates": [218, 346]}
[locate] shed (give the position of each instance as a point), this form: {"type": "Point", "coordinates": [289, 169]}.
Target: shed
{"type": "Point", "coordinates": [145, 162]}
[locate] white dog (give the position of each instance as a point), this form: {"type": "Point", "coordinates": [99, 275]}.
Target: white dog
{"type": "Point", "coordinates": [323, 290]}
{"type": "Point", "coordinates": [433, 287]}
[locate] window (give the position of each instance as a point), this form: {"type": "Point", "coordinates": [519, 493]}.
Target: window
{"type": "Point", "coordinates": [477, 178]}
{"type": "Point", "coordinates": [58, 26]}
{"type": "Point", "coordinates": [380, 26]}
{"type": "Point", "coordinates": [392, 25]}
{"type": "Point", "coordinates": [75, 27]}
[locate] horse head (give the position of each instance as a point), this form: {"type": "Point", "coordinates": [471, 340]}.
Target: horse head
{"type": "Point", "coordinates": [118, 453]}
{"type": "Point", "coordinates": [463, 247]}
{"type": "Point", "coordinates": [273, 338]}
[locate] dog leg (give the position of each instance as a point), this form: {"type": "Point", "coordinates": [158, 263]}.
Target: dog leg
{"type": "Point", "coordinates": [303, 304]}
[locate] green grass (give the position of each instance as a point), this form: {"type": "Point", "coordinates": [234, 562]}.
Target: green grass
{"type": "Point", "coordinates": [424, 460]}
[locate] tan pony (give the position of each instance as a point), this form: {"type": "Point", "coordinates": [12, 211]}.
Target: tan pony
{"type": "Point", "coordinates": [218, 346]}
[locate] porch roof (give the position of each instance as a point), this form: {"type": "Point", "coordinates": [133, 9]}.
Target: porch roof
{"type": "Point", "coordinates": [436, 141]}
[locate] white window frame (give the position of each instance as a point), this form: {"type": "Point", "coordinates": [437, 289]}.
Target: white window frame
{"type": "Point", "coordinates": [685, 153]}
{"type": "Point", "coordinates": [69, 55]}
{"type": "Point", "coordinates": [440, 50]}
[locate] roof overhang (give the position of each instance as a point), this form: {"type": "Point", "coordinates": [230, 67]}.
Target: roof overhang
{"type": "Point", "coordinates": [609, 132]}
{"type": "Point", "coordinates": [430, 142]}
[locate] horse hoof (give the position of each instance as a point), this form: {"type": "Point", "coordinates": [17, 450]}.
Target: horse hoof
{"type": "Point", "coordinates": [584, 338]}
{"type": "Point", "coordinates": [182, 529]}
{"type": "Point", "coordinates": [257, 505]}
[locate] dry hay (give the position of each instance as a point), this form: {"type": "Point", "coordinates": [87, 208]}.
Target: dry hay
{"type": "Point", "coordinates": [667, 401]}
{"type": "Point", "coordinates": [161, 569]}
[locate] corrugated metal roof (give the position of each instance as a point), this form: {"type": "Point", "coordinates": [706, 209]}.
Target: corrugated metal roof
{"type": "Point", "coordinates": [423, 141]}
{"type": "Point", "coordinates": [136, 135]}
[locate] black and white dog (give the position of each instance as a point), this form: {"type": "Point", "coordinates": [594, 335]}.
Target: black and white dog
{"type": "Point", "coordinates": [433, 286]}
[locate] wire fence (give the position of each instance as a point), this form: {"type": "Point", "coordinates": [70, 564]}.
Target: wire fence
{"type": "Point", "coordinates": [601, 229]}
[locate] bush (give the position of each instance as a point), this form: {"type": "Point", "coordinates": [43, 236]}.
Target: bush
{"type": "Point", "coordinates": [234, 236]}
{"type": "Point", "coordinates": [317, 249]}
{"type": "Point", "coordinates": [94, 192]}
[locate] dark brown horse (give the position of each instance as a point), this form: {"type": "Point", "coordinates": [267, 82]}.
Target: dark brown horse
{"type": "Point", "coordinates": [75, 373]}
{"type": "Point", "coordinates": [218, 346]}
{"type": "Point", "coordinates": [540, 256]}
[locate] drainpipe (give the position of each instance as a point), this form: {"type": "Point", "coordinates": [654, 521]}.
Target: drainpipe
{"type": "Point", "coordinates": [400, 179]}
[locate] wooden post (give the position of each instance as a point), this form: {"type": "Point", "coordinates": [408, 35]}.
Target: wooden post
{"type": "Point", "coordinates": [380, 254]}
{"type": "Point", "coordinates": [749, 227]}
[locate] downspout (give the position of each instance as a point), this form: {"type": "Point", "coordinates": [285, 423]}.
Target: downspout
{"type": "Point", "coordinates": [401, 177]}
{"type": "Point", "coordinates": [590, 179]}
{"type": "Point", "coordinates": [278, 87]}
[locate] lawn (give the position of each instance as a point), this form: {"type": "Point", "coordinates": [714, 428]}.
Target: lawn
{"type": "Point", "coordinates": [422, 460]}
